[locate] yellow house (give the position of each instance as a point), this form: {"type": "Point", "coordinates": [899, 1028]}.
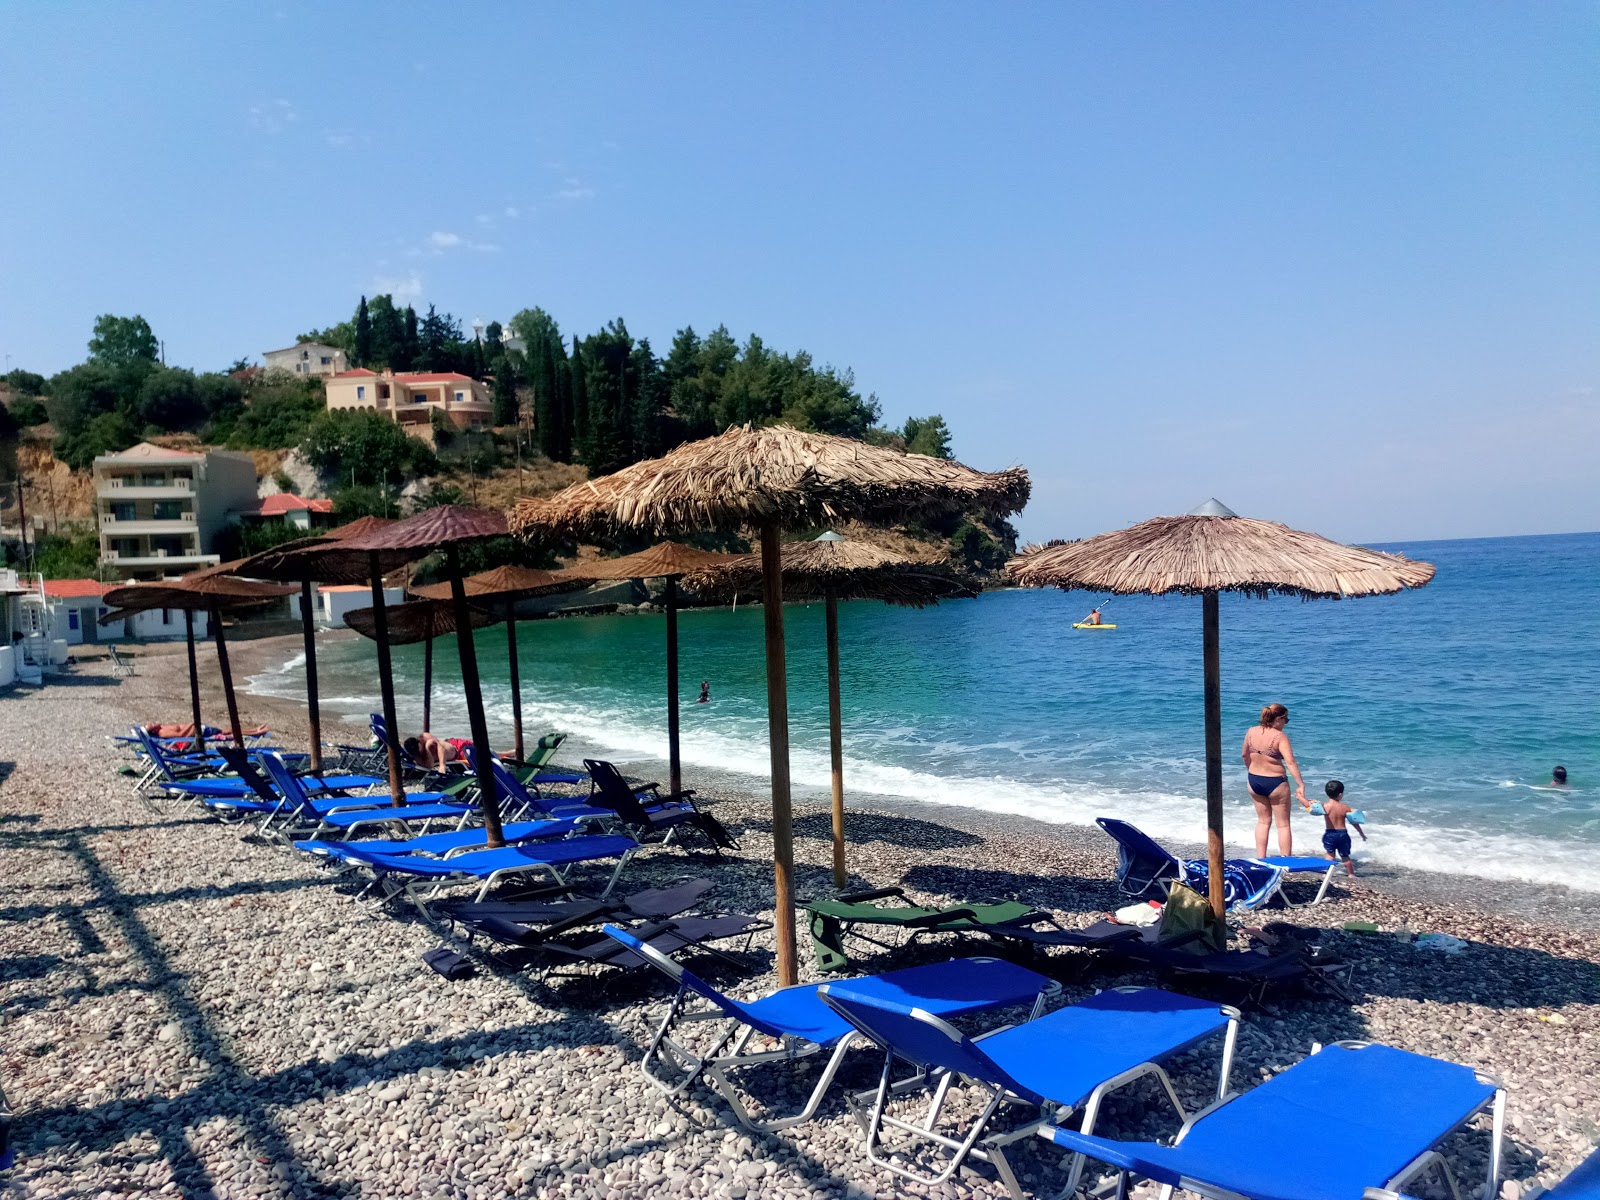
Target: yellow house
{"type": "Point", "coordinates": [412, 397]}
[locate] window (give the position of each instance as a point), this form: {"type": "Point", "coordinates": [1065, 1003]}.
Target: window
{"type": "Point", "coordinates": [72, 619]}
{"type": "Point", "coordinates": [122, 510]}
{"type": "Point", "coordinates": [169, 510]}
{"type": "Point", "coordinates": [304, 354]}
{"type": "Point", "coordinates": [419, 397]}
{"type": "Point", "coordinates": [361, 391]}
{"type": "Point", "coordinates": [383, 391]}
{"type": "Point", "coordinates": [154, 481]}
{"type": "Point", "coordinates": [326, 360]}
{"type": "Point", "coordinates": [461, 396]}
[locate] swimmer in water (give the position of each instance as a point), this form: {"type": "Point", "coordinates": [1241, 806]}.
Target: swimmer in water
{"type": "Point", "coordinates": [705, 692]}
{"type": "Point", "coordinates": [1558, 777]}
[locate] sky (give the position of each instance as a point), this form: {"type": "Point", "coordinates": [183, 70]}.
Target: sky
{"type": "Point", "coordinates": [1336, 265]}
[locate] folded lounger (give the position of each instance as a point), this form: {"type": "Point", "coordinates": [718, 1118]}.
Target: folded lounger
{"type": "Point", "coordinates": [665, 937]}
{"type": "Point", "coordinates": [414, 874]}
{"type": "Point", "coordinates": [803, 1025]}
{"type": "Point", "coordinates": [1145, 867]}
{"type": "Point", "coordinates": [297, 808]}
{"type": "Point", "coordinates": [831, 921]}
{"type": "Point", "coordinates": [435, 845]}
{"type": "Point", "coordinates": [1053, 1065]}
{"type": "Point", "coordinates": [645, 811]}
{"type": "Point", "coordinates": [1393, 1107]}
{"type": "Point", "coordinates": [525, 923]}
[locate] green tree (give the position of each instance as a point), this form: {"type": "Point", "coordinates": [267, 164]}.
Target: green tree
{"type": "Point", "coordinates": [120, 342]}
{"type": "Point", "coordinates": [361, 351]}
{"type": "Point", "coordinates": [578, 373]}
{"type": "Point", "coordinates": [74, 554]}
{"type": "Point", "coordinates": [104, 434]}
{"type": "Point", "coordinates": [28, 411]}
{"type": "Point", "coordinates": [81, 393]}
{"type": "Point", "coordinates": [364, 500]}
{"type": "Point", "coordinates": [169, 399]}
{"type": "Point", "coordinates": [277, 413]}
{"type": "Point", "coordinates": [24, 383]}
{"type": "Point", "coordinates": [407, 349]}
{"type": "Point", "coordinates": [341, 336]}
{"type": "Point", "coordinates": [506, 407]}
{"type": "Point", "coordinates": [361, 446]}
{"type": "Point", "coordinates": [388, 335]}
{"type": "Point", "coordinates": [927, 435]}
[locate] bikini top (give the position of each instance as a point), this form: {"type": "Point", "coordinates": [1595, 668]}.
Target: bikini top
{"type": "Point", "coordinates": [1270, 750]}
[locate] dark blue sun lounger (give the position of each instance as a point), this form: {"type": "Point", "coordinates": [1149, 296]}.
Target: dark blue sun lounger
{"type": "Point", "coordinates": [436, 845]}
{"type": "Point", "coordinates": [1057, 1064]}
{"type": "Point", "coordinates": [340, 813]}
{"type": "Point", "coordinates": [1393, 1107]}
{"type": "Point", "coordinates": [1146, 867]}
{"type": "Point", "coordinates": [415, 874]}
{"type": "Point", "coordinates": [803, 1025]}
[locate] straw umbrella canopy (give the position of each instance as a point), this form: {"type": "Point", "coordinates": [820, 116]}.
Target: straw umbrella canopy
{"type": "Point", "coordinates": [208, 590]}
{"type": "Point", "coordinates": [416, 621]}
{"type": "Point", "coordinates": [446, 528]}
{"type": "Point", "coordinates": [772, 478]}
{"type": "Point", "coordinates": [669, 561]}
{"type": "Point", "coordinates": [1209, 551]}
{"type": "Point", "coordinates": [834, 568]}
{"type": "Point", "coordinates": [508, 584]}
{"type": "Point", "coordinates": [331, 558]}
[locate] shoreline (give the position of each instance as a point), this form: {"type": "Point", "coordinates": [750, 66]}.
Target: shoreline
{"type": "Point", "coordinates": [186, 1009]}
{"type": "Point", "coordinates": [1573, 908]}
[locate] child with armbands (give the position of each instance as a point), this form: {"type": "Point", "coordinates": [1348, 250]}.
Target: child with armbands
{"type": "Point", "coordinates": [1336, 815]}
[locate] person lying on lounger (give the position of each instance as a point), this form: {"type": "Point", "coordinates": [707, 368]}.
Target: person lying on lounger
{"type": "Point", "coordinates": [435, 753]}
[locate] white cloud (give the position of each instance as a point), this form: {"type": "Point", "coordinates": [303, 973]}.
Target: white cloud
{"type": "Point", "coordinates": [512, 212]}
{"type": "Point", "coordinates": [441, 240]}
{"type": "Point", "coordinates": [273, 116]}
{"type": "Point", "coordinates": [407, 287]}
{"type": "Point", "coordinates": [484, 219]}
{"type": "Point", "coordinates": [345, 139]}
{"type": "Point", "coordinates": [576, 189]}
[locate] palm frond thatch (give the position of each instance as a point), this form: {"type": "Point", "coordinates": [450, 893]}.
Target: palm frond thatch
{"type": "Point", "coordinates": [658, 562]}
{"type": "Point", "coordinates": [323, 560]}
{"type": "Point", "coordinates": [1197, 554]}
{"type": "Point", "coordinates": [434, 527]}
{"type": "Point", "coordinates": [842, 569]}
{"type": "Point", "coordinates": [197, 593]}
{"type": "Point", "coordinates": [753, 476]}
{"type": "Point", "coordinates": [510, 582]}
{"type": "Point", "coordinates": [416, 621]}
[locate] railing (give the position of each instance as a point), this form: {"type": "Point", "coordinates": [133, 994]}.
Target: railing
{"type": "Point", "coordinates": [182, 483]}
{"type": "Point", "coordinates": [107, 520]}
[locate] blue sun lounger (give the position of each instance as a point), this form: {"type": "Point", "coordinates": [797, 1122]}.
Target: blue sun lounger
{"type": "Point", "coordinates": [412, 875]}
{"type": "Point", "coordinates": [298, 808]}
{"type": "Point", "coordinates": [1580, 1183]}
{"type": "Point", "coordinates": [1393, 1108]}
{"type": "Point", "coordinates": [435, 845]}
{"type": "Point", "coordinates": [1144, 866]}
{"type": "Point", "coordinates": [1057, 1064]}
{"type": "Point", "coordinates": [803, 1025]}
{"type": "Point", "coordinates": [163, 765]}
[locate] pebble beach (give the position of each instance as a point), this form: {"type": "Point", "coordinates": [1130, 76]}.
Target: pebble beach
{"type": "Point", "coordinates": [189, 1011]}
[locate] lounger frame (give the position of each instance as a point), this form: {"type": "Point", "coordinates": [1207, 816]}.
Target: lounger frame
{"type": "Point", "coordinates": [870, 1108]}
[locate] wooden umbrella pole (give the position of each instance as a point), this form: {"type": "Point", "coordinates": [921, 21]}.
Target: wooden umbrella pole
{"type": "Point", "coordinates": [194, 682]}
{"type": "Point", "coordinates": [516, 676]}
{"type": "Point", "coordinates": [836, 744]}
{"type": "Point", "coordinates": [1213, 670]}
{"type": "Point", "coordinates": [488, 794]}
{"type": "Point", "coordinates": [313, 716]}
{"type": "Point", "coordinates": [674, 759]}
{"type": "Point", "coordinates": [427, 683]}
{"type": "Point", "coordinates": [778, 739]}
{"type": "Point", "coordinates": [380, 636]}
{"type": "Point", "coordinates": [227, 678]}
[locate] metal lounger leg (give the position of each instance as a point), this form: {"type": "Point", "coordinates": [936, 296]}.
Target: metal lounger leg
{"type": "Point", "coordinates": [717, 1070]}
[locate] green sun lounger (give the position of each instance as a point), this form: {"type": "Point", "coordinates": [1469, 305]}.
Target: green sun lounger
{"type": "Point", "coordinates": [831, 921]}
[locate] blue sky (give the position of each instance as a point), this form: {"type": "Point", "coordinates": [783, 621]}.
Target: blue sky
{"type": "Point", "coordinates": [1338, 265]}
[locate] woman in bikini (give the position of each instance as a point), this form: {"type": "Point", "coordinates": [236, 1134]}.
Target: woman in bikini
{"type": "Point", "coordinates": [1268, 763]}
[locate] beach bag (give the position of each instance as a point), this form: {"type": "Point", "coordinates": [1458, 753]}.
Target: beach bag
{"type": "Point", "coordinates": [1188, 922]}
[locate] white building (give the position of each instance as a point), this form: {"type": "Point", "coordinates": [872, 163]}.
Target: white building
{"type": "Point", "coordinates": [160, 510]}
{"type": "Point", "coordinates": [306, 358]}
{"type": "Point", "coordinates": [338, 599]}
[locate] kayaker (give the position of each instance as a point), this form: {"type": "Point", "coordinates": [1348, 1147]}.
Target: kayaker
{"type": "Point", "coordinates": [1093, 618]}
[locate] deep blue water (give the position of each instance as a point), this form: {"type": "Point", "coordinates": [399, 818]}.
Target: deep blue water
{"type": "Point", "coordinates": [1442, 709]}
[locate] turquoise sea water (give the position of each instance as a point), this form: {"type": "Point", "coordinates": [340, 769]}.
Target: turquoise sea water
{"type": "Point", "coordinates": [1443, 710]}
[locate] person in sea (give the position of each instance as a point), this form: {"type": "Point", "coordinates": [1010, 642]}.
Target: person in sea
{"type": "Point", "coordinates": [705, 692]}
{"type": "Point", "coordinates": [1337, 815]}
{"type": "Point", "coordinates": [1558, 777]}
{"type": "Point", "coordinates": [1268, 763]}
{"type": "Point", "coordinates": [1093, 618]}
{"type": "Point", "coordinates": [435, 753]}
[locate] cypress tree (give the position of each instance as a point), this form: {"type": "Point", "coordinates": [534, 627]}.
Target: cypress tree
{"type": "Point", "coordinates": [561, 379]}
{"type": "Point", "coordinates": [363, 347]}
{"type": "Point", "coordinates": [506, 410]}
{"type": "Point", "coordinates": [546, 414]}
{"type": "Point", "coordinates": [581, 447]}
{"type": "Point", "coordinates": [408, 342]}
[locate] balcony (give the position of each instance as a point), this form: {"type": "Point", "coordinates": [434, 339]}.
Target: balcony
{"type": "Point", "coordinates": [159, 558]}
{"type": "Point", "coordinates": [160, 526]}
{"type": "Point", "coordinates": [131, 487]}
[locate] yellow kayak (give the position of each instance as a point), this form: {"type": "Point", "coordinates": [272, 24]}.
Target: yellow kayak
{"type": "Point", "coordinates": [1084, 625]}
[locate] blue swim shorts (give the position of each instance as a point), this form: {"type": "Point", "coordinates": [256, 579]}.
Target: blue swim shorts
{"type": "Point", "coordinates": [1337, 841]}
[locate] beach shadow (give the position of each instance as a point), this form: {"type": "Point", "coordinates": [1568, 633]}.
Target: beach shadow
{"type": "Point", "coordinates": [909, 832]}
{"type": "Point", "coordinates": [1063, 893]}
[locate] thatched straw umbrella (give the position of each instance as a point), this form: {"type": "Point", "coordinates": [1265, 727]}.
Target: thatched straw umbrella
{"type": "Point", "coordinates": [335, 559]}
{"type": "Point", "coordinates": [208, 590]}
{"type": "Point", "coordinates": [772, 478]}
{"type": "Point", "coordinates": [509, 584]}
{"type": "Point", "coordinates": [1214, 550]}
{"type": "Point", "coordinates": [833, 568]}
{"type": "Point", "coordinates": [669, 561]}
{"type": "Point", "coordinates": [308, 624]}
{"type": "Point", "coordinates": [446, 528]}
{"type": "Point", "coordinates": [416, 621]}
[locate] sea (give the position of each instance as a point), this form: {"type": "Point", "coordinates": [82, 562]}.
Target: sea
{"type": "Point", "coordinates": [1442, 710]}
